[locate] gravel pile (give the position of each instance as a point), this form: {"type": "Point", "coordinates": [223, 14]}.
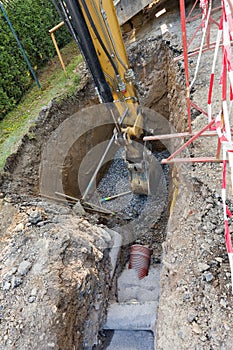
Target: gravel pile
{"type": "Point", "coordinates": [50, 267]}
{"type": "Point", "coordinates": [133, 206]}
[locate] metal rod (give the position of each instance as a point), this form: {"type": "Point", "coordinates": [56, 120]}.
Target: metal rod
{"type": "Point", "coordinates": [53, 198]}
{"type": "Point", "coordinates": [87, 203]}
{"type": "Point", "coordinates": [192, 160]}
{"type": "Point", "coordinates": [67, 196]}
{"type": "Point", "coordinates": [198, 108]}
{"type": "Point", "coordinates": [100, 208]}
{"type": "Point", "coordinates": [213, 21]}
{"type": "Point", "coordinates": [184, 40]}
{"type": "Point", "coordinates": [199, 15]}
{"type": "Point", "coordinates": [115, 121]}
{"type": "Point", "coordinates": [191, 11]}
{"type": "Point", "coordinates": [98, 167]}
{"type": "Point", "coordinates": [20, 46]}
{"type": "Point", "coordinates": [196, 51]}
{"type": "Point", "coordinates": [205, 30]}
{"type": "Point", "coordinates": [58, 51]}
{"type": "Point", "coordinates": [178, 135]}
{"type": "Point", "coordinates": [194, 34]}
{"type": "Point", "coordinates": [191, 140]}
{"type": "Point", "coordinates": [102, 158]}
{"type": "Point", "coordinates": [105, 199]}
{"type": "Point", "coordinates": [59, 25]}
{"type": "Point", "coordinates": [207, 17]}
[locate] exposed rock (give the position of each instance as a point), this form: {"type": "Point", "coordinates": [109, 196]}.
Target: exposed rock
{"type": "Point", "coordinates": [58, 282]}
{"type": "Point", "coordinates": [203, 267]}
{"type": "Point", "coordinates": [78, 209]}
{"type": "Point", "coordinates": [24, 267]}
{"type": "Point", "coordinates": [57, 298]}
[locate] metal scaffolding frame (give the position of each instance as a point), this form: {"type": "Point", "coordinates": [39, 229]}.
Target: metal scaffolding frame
{"type": "Point", "coordinates": [209, 129]}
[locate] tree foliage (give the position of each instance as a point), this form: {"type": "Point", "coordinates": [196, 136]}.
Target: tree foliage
{"type": "Point", "coordinates": [31, 20]}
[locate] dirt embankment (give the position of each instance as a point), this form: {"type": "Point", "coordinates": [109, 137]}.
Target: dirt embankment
{"type": "Point", "coordinates": [52, 261]}
{"type": "Point", "coordinates": [55, 269]}
{"type": "Point", "coordinates": [51, 265]}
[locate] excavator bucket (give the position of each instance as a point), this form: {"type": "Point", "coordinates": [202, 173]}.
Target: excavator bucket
{"type": "Point", "coordinates": [126, 9]}
{"type": "Point", "coordinates": [145, 172]}
{"type": "Point", "coordinates": [146, 180]}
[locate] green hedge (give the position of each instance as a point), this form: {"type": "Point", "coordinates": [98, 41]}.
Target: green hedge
{"type": "Point", "coordinates": [31, 20]}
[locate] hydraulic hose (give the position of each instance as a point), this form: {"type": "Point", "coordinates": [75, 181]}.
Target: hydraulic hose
{"type": "Point", "coordinates": [110, 35]}
{"type": "Point", "coordinates": [87, 48]}
{"type": "Point", "coordinates": [99, 37]}
{"type": "Point", "coordinates": [64, 15]}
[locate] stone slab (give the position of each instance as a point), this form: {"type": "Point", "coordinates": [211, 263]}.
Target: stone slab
{"type": "Point", "coordinates": [131, 287]}
{"type": "Point", "coordinates": [131, 340]}
{"type": "Point", "coordinates": [132, 316]}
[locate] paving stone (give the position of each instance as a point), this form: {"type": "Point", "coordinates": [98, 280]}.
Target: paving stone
{"type": "Point", "coordinates": [131, 340]}
{"type": "Point", "coordinates": [132, 316]}
{"type": "Point", "coordinates": [131, 287]}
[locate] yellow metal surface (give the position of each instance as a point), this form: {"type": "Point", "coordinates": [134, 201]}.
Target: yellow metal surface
{"type": "Point", "coordinates": [120, 80]}
{"type": "Point", "coordinates": [104, 16]}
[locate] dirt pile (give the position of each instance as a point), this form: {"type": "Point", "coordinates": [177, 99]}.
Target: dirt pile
{"type": "Point", "coordinates": [195, 304]}
{"type": "Point", "coordinates": [55, 271]}
{"type": "Point", "coordinates": [51, 265]}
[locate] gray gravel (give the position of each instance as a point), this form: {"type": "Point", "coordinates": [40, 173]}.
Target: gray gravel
{"type": "Point", "coordinates": [142, 209]}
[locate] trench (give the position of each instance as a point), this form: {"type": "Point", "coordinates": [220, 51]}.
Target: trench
{"type": "Point", "coordinates": [147, 216]}
{"type": "Point", "coordinates": [140, 219]}
{"type": "Point", "coordinates": [69, 158]}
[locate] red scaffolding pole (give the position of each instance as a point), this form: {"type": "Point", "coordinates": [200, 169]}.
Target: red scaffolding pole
{"type": "Point", "coordinates": [205, 131]}
{"type": "Point", "coordinates": [220, 123]}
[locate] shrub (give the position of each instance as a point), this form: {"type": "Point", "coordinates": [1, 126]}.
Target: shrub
{"type": "Point", "coordinates": [31, 20]}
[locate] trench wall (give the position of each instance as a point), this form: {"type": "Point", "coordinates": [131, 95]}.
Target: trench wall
{"type": "Point", "coordinates": [160, 88]}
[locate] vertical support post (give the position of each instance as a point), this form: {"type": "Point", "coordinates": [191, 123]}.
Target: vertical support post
{"type": "Point", "coordinates": [185, 53]}
{"type": "Point", "coordinates": [208, 29]}
{"type": "Point", "coordinates": [58, 52]}
{"type": "Point", "coordinates": [20, 46]}
{"type": "Point", "coordinates": [218, 149]}
{"type": "Point", "coordinates": [51, 32]}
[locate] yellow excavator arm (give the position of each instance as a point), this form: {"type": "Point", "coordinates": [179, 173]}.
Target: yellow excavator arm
{"type": "Point", "coordinates": [101, 18]}
{"type": "Point", "coordinates": [107, 39]}
{"type": "Point", "coordinates": [94, 25]}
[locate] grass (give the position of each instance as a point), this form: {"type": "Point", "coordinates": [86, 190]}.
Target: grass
{"type": "Point", "coordinates": [54, 84]}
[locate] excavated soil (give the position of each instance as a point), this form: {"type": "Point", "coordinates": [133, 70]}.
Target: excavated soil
{"type": "Point", "coordinates": [56, 274]}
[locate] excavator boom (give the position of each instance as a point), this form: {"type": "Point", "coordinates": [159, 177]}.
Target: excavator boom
{"type": "Point", "coordinates": [95, 27]}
